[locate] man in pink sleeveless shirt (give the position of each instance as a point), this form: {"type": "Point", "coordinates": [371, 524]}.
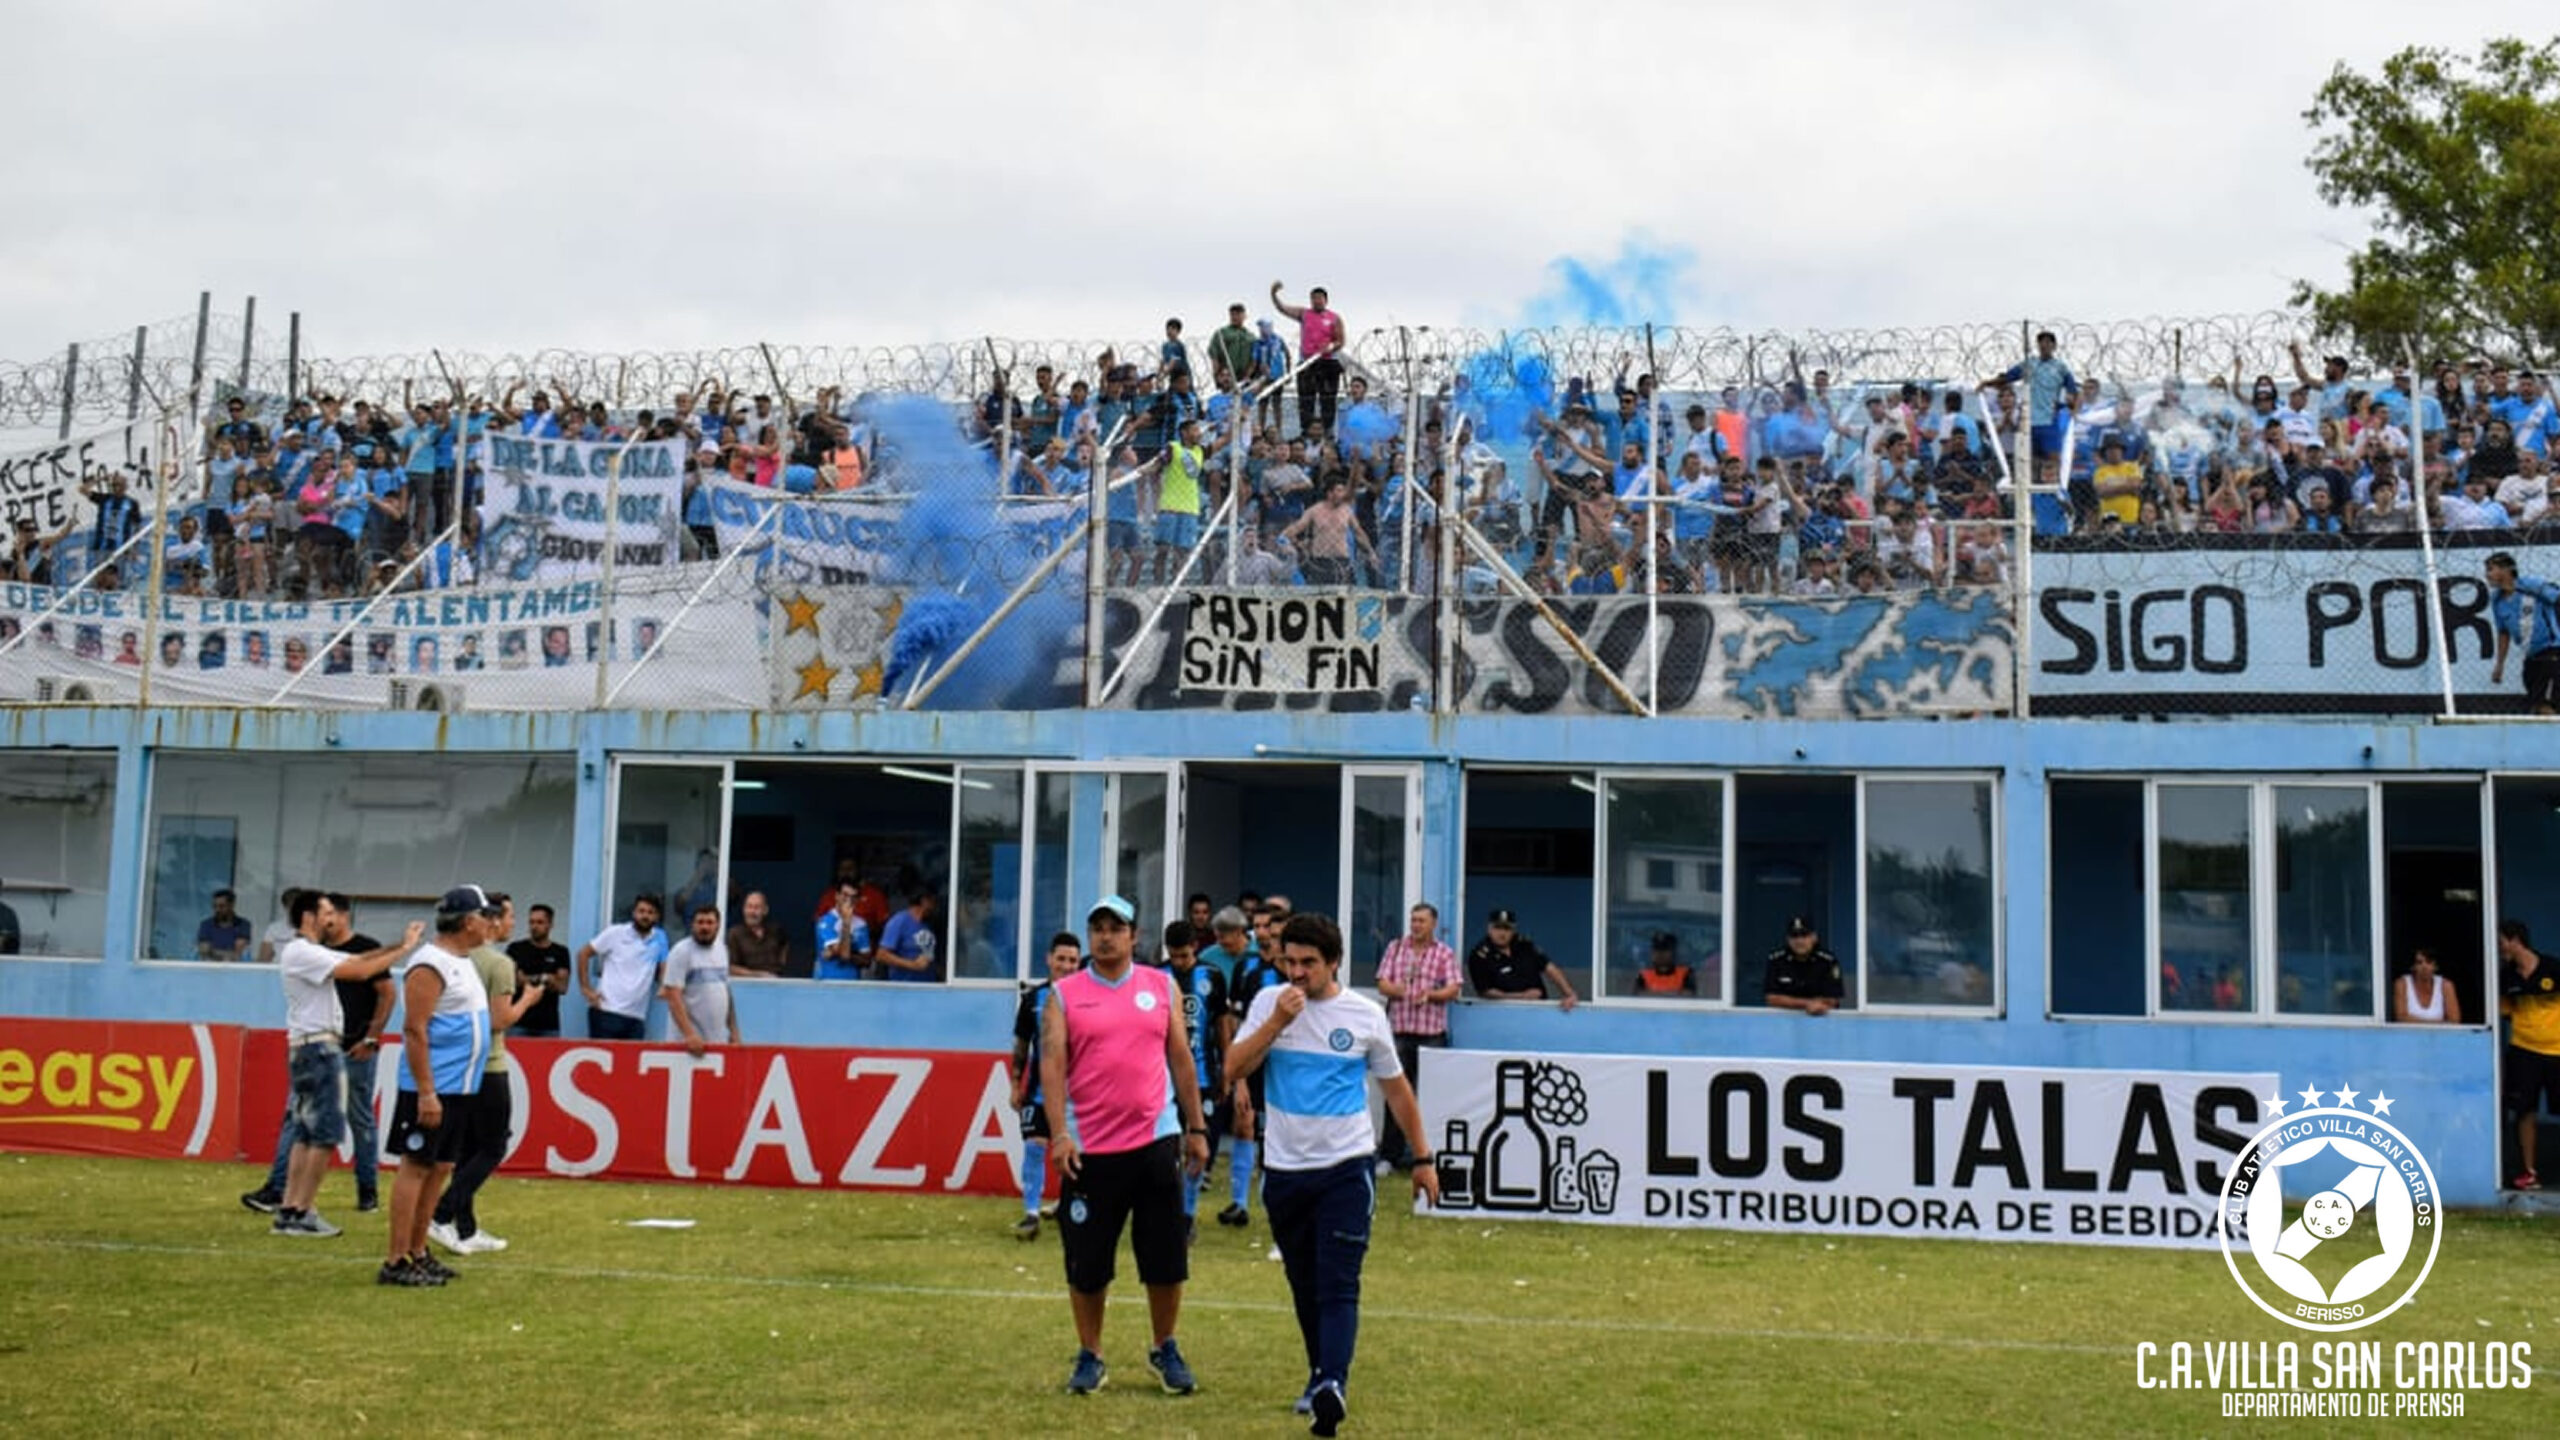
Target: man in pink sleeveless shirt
{"type": "Point", "coordinates": [1321, 339]}
{"type": "Point", "coordinates": [1123, 1096]}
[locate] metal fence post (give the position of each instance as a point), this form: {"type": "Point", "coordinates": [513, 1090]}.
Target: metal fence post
{"type": "Point", "coordinates": [2023, 597]}
{"type": "Point", "coordinates": [133, 386]}
{"type": "Point", "coordinates": [70, 389]}
{"type": "Point", "coordinates": [248, 339]}
{"type": "Point", "coordinates": [293, 353]}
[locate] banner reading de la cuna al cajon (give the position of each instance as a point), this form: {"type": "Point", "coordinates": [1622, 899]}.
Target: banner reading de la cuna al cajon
{"type": "Point", "coordinates": [2105, 1157]}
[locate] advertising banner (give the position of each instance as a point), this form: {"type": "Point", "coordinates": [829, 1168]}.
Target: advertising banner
{"type": "Point", "coordinates": [116, 1087]}
{"type": "Point", "coordinates": [2100, 1157]}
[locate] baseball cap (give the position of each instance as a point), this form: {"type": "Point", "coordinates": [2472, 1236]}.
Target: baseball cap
{"type": "Point", "coordinates": [1665, 940]}
{"type": "Point", "coordinates": [707, 449]}
{"type": "Point", "coordinates": [1501, 917]}
{"type": "Point", "coordinates": [466, 900]}
{"type": "Point", "coordinates": [1799, 925]}
{"type": "Point", "coordinates": [1122, 909]}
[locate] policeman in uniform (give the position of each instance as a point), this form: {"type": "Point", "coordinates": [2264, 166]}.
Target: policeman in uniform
{"type": "Point", "coordinates": [1801, 975]}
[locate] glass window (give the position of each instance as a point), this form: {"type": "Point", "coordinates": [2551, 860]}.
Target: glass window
{"type": "Point", "coordinates": [53, 852]}
{"type": "Point", "coordinates": [2324, 900]}
{"type": "Point", "coordinates": [2204, 897]}
{"type": "Point", "coordinates": [987, 876]}
{"type": "Point", "coordinates": [2097, 924]}
{"type": "Point", "coordinates": [1138, 860]}
{"type": "Point", "coordinates": [391, 832]}
{"type": "Point", "coordinates": [666, 842]}
{"type": "Point", "coordinates": [1659, 831]}
{"type": "Point", "coordinates": [1378, 897]}
{"type": "Point", "coordinates": [1051, 828]}
{"type": "Point", "coordinates": [1932, 934]}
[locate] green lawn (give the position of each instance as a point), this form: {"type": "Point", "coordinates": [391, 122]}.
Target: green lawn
{"type": "Point", "coordinates": [139, 1298]}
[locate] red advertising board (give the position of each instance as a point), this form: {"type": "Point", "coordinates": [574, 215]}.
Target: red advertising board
{"type": "Point", "coordinates": [935, 1121]}
{"type": "Point", "coordinates": [113, 1087]}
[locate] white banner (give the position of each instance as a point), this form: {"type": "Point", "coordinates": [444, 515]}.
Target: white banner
{"type": "Point", "coordinates": [523, 647]}
{"type": "Point", "coordinates": [2101, 1157]}
{"type": "Point", "coordinates": [44, 484]}
{"type": "Point", "coordinates": [846, 539]}
{"type": "Point", "coordinates": [546, 510]}
{"type": "Point", "coordinates": [2248, 625]}
{"type": "Point", "coordinates": [1292, 642]}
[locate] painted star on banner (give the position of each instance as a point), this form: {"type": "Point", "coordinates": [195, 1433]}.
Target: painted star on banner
{"type": "Point", "coordinates": [2346, 1099]}
{"type": "Point", "coordinates": [2381, 1103]}
{"type": "Point", "coordinates": [801, 613]}
{"type": "Point", "coordinates": [2311, 1099]}
{"type": "Point", "coordinates": [2276, 1103]}
{"type": "Point", "coordinates": [815, 678]}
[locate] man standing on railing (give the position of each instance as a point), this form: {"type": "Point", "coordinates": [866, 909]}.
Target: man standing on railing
{"type": "Point", "coordinates": [1321, 339]}
{"type": "Point", "coordinates": [2049, 383]}
{"type": "Point", "coordinates": [2538, 632]}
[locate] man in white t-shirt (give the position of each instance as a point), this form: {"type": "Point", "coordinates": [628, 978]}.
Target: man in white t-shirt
{"type": "Point", "coordinates": [695, 985]}
{"type": "Point", "coordinates": [278, 932]}
{"type": "Point", "coordinates": [313, 1022]}
{"type": "Point", "coordinates": [1324, 1044]}
{"type": "Point", "coordinates": [618, 999]}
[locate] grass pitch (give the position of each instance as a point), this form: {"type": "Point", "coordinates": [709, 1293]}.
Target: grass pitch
{"type": "Point", "coordinates": [138, 1298]}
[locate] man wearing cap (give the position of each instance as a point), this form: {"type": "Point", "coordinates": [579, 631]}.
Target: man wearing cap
{"type": "Point", "coordinates": [457, 1221]}
{"type": "Point", "coordinates": [1801, 975]}
{"type": "Point", "coordinates": [1664, 975]}
{"type": "Point", "coordinates": [444, 1044]}
{"type": "Point", "coordinates": [1123, 1101]}
{"type": "Point", "coordinates": [1507, 965]}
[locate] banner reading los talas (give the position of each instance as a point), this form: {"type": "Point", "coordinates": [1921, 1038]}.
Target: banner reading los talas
{"type": "Point", "coordinates": [550, 507]}
{"type": "Point", "coordinates": [2101, 1157]}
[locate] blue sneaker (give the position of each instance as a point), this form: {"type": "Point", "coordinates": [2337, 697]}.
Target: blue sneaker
{"type": "Point", "coordinates": [1325, 1402]}
{"type": "Point", "coordinates": [1089, 1374]}
{"type": "Point", "coordinates": [1172, 1371]}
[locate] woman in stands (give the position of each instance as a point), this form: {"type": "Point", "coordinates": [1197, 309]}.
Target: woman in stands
{"type": "Point", "coordinates": [2422, 997]}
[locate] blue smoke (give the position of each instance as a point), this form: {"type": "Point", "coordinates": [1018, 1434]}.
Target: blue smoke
{"type": "Point", "coordinates": [1645, 283]}
{"type": "Point", "coordinates": [957, 557]}
{"type": "Point", "coordinates": [1367, 423]}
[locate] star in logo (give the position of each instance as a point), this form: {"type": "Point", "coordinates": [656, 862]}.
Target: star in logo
{"type": "Point", "coordinates": [801, 613]}
{"type": "Point", "coordinates": [2346, 1099]}
{"type": "Point", "coordinates": [2381, 1103]}
{"type": "Point", "coordinates": [2276, 1103]}
{"type": "Point", "coordinates": [2311, 1099]}
{"type": "Point", "coordinates": [815, 678]}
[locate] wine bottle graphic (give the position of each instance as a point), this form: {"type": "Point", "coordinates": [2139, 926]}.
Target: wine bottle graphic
{"type": "Point", "coordinates": [1511, 1168]}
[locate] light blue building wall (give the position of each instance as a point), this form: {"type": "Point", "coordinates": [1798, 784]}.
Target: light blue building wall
{"type": "Point", "coordinates": [2443, 1077]}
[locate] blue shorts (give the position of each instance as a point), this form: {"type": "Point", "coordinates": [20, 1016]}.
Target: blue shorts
{"type": "Point", "coordinates": [319, 1113]}
{"type": "Point", "coordinates": [1120, 534]}
{"type": "Point", "coordinates": [1176, 528]}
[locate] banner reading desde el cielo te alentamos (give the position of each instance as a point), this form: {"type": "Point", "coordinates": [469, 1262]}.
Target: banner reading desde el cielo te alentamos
{"type": "Point", "coordinates": [2106, 1157]}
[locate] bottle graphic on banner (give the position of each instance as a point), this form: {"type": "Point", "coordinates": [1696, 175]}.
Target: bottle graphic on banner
{"type": "Point", "coordinates": [1511, 1166]}
{"type": "Point", "coordinates": [1564, 1182]}
{"type": "Point", "coordinates": [1457, 1170]}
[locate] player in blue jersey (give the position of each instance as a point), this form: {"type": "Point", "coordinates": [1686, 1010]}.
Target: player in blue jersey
{"type": "Point", "coordinates": [1204, 1009]}
{"type": "Point", "coordinates": [444, 1043]}
{"type": "Point", "coordinates": [1320, 1045]}
{"type": "Point", "coordinates": [1065, 957]}
{"type": "Point", "coordinates": [2527, 614]}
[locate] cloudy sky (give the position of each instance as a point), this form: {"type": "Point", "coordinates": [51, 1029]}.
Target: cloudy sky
{"type": "Point", "coordinates": [653, 175]}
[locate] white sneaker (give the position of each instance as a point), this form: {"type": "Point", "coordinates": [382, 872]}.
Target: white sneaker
{"type": "Point", "coordinates": [483, 1243]}
{"type": "Point", "coordinates": [1275, 1253]}
{"type": "Point", "coordinates": [447, 1237]}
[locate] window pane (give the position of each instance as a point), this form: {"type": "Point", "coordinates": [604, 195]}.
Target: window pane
{"type": "Point", "coordinates": [986, 884]}
{"type": "Point", "coordinates": [2204, 897]}
{"type": "Point", "coordinates": [392, 832]}
{"type": "Point", "coordinates": [1054, 795]}
{"type": "Point", "coordinates": [1138, 868]}
{"type": "Point", "coordinates": [53, 853]}
{"type": "Point", "coordinates": [1659, 832]}
{"type": "Point", "coordinates": [1378, 900]}
{"type": "Point", "coordinates": [666, 842]}
{"type": "Point", "coordinates": [2324, 900]}
{"type": "Point", "coordinates": [1931, 931]}
{"type": "Point", "coordinates": [2096, 924]}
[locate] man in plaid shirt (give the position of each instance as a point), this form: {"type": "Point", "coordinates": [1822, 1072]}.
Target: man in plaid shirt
{"type": "Point", "coordinates": [1419, 977]}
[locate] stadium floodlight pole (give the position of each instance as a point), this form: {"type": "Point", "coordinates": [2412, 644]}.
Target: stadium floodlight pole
{"type": "Point", "coordinates": [1511, 581]}
{"type": "Point", "coordinates": [1039, 575]}
{"type": "Point", "coordinates": [320, 654]}
{"type": "Point", "coordinates": [764, 524]}
{"type": "Point", "coordinates": [2437, 638]}
{"type": "Point", "coordinates": [2022, 590]}
{"type": "Point", "coordinates": [1164, 601]}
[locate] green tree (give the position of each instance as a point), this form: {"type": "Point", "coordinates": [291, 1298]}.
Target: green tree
{"type": "Point", "coordinates": [2457, 159]}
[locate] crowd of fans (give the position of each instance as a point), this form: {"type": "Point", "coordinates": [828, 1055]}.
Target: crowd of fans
{"type": "Point", "coordinates": [1798, 487]}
